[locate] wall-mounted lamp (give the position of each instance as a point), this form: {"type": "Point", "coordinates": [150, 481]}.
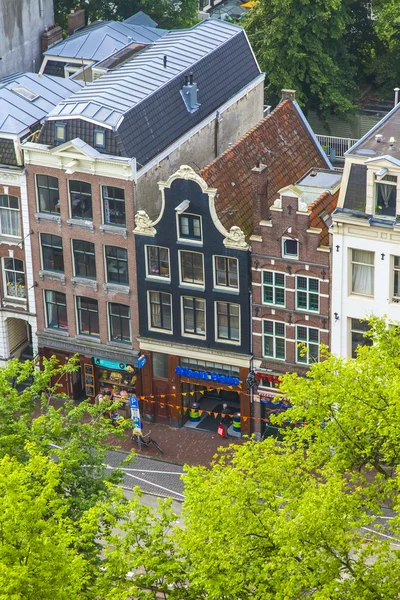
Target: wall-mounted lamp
{"type": "Point", "coordinates": [323, 274]}
{"type": "Point", "coordinates": [256, 264]}
{"type": "Point", "coordinates": [337, 248]}
{"type": "Point", "coordinates": [182, 206]}
{"type": "Point", "coordinates": [336, 316]}
{"type": "Point", "coordinates": [382, 256]}
{"type": "Point", "coordinates": [289, 269]}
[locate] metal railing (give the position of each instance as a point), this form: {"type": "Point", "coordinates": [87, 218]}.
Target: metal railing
{"type": "Point", "coordinates": [338, 144]}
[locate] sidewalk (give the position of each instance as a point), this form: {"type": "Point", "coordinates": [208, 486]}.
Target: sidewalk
{"type": "Point", "coordinates": [180, 445]}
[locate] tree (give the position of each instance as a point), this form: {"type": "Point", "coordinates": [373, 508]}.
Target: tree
{"type": "Point", "coordinates": [387, 28]}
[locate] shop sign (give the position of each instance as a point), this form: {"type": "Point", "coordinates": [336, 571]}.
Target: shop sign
{"type": "Point", "coordinates": [207, 376]}
{"type": "Point", "coordinates": [135, 414]}
{"type": "Point", "coordinates": [141, 361]}
{"type": "Point", "coordinates": [110, 364]}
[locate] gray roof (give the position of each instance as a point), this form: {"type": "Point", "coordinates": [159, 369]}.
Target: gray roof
{"type": "Point", "coordinates": [102, 39]}
{"type": "Point", "coordinates": [18, 113]}
{"type": "Point", "coordinates": [140, 18]}
{"type": "Point", "coordinates": [387, 128]}
{"type": "Point", "coordinates": [109, 98]}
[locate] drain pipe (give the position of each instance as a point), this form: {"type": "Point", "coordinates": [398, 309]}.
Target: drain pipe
{"type": "Point", "coordinates": [396, 96]}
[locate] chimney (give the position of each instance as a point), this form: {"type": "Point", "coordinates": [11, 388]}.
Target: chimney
{"type": "Point", "coordinates": [76, 20]}
{"type": "Point", "coordinates": [189, 93]}
{"type": "Point", "coordinates": [165, 61]}
{"type": "Point", "coordinates": [259, 180]}
{"type": "Point", "coordinates": [50, 36]}
{"type": "Point", "coordinates": [288, 95]}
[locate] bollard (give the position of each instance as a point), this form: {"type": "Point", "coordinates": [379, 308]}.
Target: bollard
{"type": "Point", "coordinates": [236, 423]}
{"type": "Point", "coordinates": [194, 416]}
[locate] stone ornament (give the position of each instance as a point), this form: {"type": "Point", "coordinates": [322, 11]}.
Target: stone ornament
{"type": "Point", "coordinates": [236, 239]}
{"type": "Point", "coordinates": [144, 224]}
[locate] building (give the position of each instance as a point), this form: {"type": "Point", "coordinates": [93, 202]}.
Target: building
{"type": "Point", "coordinates": [21, 26]}
{"type": "Point", "coordinates": [25, 99]}
{"type": "Point", "coordinates": [97, 159]}
{"type": "Point", "coordinates": [366, 236]}
{"type": "Point", "coordinates": [194, 306]}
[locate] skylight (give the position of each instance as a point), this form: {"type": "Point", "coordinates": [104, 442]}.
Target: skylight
{"type": "Point", "coordinates": [25, 93]}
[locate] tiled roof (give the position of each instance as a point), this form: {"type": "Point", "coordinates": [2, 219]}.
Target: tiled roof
{"type": "Point", "coordinates": [326, 202]}
{"type": "Point", "coordinates": [281, 141]}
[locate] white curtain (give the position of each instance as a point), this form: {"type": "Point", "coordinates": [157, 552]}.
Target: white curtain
{"type": "Point", "coordinates": [10, 222]}
{"type": "Point", "coordinates": [386, 191]}
{"type": "Point", "coordinates": [363, 272]}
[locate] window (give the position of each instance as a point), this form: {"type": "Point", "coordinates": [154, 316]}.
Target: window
{"type": "Point", "coordinates": [99, 140]}
{"type": "Point", "coordinates": [358, 329]}
{"type": "Point", "coordinates": [80, 194]}
{"type": "Point", "coordinates": [88, 316]}
{"type": "Point", "coordinates": [274, 339]}
{"type": "Point", "coordinates": [56, 310]}
{"type": "Point", "coordinates": [386, 196]}
{"type": "Point", "coordinates": [160, 311]}
{"type": "Point", "coordinates": [25, 93]}
{"type": "Point", "coordinates": [117, 265]}
{"type": "Point", "coordinates": [309, 337]}
{"type": "Point", "coordinates": [84, 259]}
{"type": "Point", "coordinates": [189, 227]}
{"type": "Point", "coordinates": [307, 293]}
{"type": "Point", "coordinates": [114, 206]}
{"type": "Point", "coordinates": [362, 272]}
{"type": "Point", "coordinates": [60, 133]}
{"type": "Point", "coordinates": [160, 365]}
{"type": "Point", "coordinates": [120, 322]}
{"type": "Point", "coordinates": [14, 278]}
{"type": "Point", "coordinates": [273, 288]}
{"type": "Point", "coordinates": [226, 272]}
{"type": "Point", "coordinates": [192, 268]}
{"type": "Point", "coordinates": [396, 279]}
{"type": "Point", "coordinates": [157, 262]}
{"type": "Point", "coordinates": [9, 216]}
{"type": "Point", "coordinates": [290, 248]}
{"type": "Point", "coordinates": [49, 196]}
{"type": "Point", "coordinates": [228, 321]}
{"type": "Point", "coordinates": [52, 252]}
{"type": "Point", "coordinates": [194, 310]}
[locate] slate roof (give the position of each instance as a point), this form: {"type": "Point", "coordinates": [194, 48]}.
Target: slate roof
{"type": "Point", "coordinates": [326, 202]}
{"type": "Point", "coordinates": [283, 142]}
{"type": "Point", "coordinates": [140, 18]}
{"type": "Point", "coordinates": [103, 38]}
{"type": "Point", "coordinates": [356, 191]}
{"type": "Point", "coordinates": [17, 113]}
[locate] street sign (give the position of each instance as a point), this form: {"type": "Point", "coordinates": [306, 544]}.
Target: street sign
{"type": "Point", "coordinates": [141, 361]}
{"type": "Point", "coordinates": [135, 414]}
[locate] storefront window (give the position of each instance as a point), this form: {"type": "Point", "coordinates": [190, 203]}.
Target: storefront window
{"type": "Point", "coordinates": [160, 365]}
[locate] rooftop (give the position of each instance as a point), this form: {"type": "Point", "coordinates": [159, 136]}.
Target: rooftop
{"type": "Point", "coordinates": [26, 98]}
{"type": "Point", "coordinates": [381, 140]}
{"type": "Point", "coordinates": [320, 178]}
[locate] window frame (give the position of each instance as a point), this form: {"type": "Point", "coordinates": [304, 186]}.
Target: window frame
{"type": "Point", "coordinates": [365, 342]}
{"type": "Point", "coordinates": [308, 293]}
{"type": "Point", "coordinates": [84, 194]}
{"type": "Point", "coordinates": [103, 202]}
{"type": "Point", "coordinates": [188, 239]}
{"type": "Point", "coordinates": [393, 184]}
{"type": "Point", "coordinates": [229, 339]}
{"type": "Point", "coordinates": [306, 357]}
{"type": "Point", "coordinates": [394, 269]}
{"type": "Point", "coordinates": [85, 254]}
{"type": "Point", "coordinates": [274, 337]}
{"type": "Point", "coordinates": [8, 208]}
{"type": "Point", "coordinates": [149, 312]}
{"type": "Point", "coordinates": [58, 141]}
{"type": "Point", "coordinates": [166, 279]}
{"type": "Point", "coordinates": [103, 132]}
{"type": "Point", "coordinates": [16, 284]}
{"type": "Point", "coordinates": [48, 326]}
{"type": "Point", "coordinates": [215, 270]}
{"type": "Point", "coordinates": [44, 267]}
{"type": "Point", "coordinates": [352, 262]}
{"type": "Point", "coordinates": [110, 329]}
{"type": "Point", "coordinates": [274, 287]}
{"type": "Point", "coordinates": [79, 310]}
{"type": "Point", "coordinates": [193, 334]}
{"type": "Point", "coordinates": [118, 259]}
{"type": "Point", "coordinates": [39, 208]}
{"type": "Point", "coordinates": [290, 256]}
{"type": "Point", "coordinates": [184, 283]}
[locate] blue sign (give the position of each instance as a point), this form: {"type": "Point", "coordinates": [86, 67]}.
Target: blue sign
{"type": "Point", "coordinates": [135, 414]}
{"type": "Point", "coordinates": [207, 376]}
{"type": "Point", "coordinates": [141, 361]}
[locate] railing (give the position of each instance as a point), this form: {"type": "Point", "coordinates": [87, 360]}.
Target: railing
{"type": "Point", "coordinates": [338, 144]}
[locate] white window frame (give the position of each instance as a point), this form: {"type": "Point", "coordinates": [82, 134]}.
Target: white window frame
{"type": "Point", "coordinates": [187, 333]}
{"type": "Point", "coordinates": [187, 284]}
{"type": "Point", "coordinates": [125, 344]}
{"type": "Point", "coordinates": [102, 204]}
{"type": "Point", "coordinates": [217, 286]}
{"type": "Point", "coordinates": [225, 340]}
{"type": "Point", "coordinates": [10, 235]}
{"type": "Point", "coordinates": [382, 181]}
{"type": "Point", "coordinates": [308, 292]}
{"type": "Point", "coordinates": [274, 337]}
{"type": "Point", "coordinates": [394, 269]}
{"type": "Point", "coordinates": [71, 216]}
{"type": "Point", "coordinates": [307, 360]}
{"type": "Point", "coordinates": [352, 292]}
{"type": "Point", "coordinates": [274, 286]}
{"type": "Point", "coordinates": [150, 326]}
{"type": "Point", "coordinates": [150, 275]}
{"type": "Point", "coordinates": [5, 288]}
{"type": "Point", "coordinates": [290, 256]}
{"type": "Point", "coordinates": [189, 241]}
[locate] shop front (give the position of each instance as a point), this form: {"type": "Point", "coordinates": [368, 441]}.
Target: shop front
{"type": "Point", "coordinates": [269, 401]}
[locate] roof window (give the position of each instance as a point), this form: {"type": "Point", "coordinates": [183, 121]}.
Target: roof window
{"type": "Point", "coordinates": [25, 93]}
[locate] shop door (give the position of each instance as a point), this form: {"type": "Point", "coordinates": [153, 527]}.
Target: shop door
{"type": "Point", "coordinates": [161, 410]}
{"type": "Point", "coordinates": [63, 381]}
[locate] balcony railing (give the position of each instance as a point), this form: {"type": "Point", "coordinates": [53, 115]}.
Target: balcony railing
{"type": "Point", "coordinates": [339, 145]}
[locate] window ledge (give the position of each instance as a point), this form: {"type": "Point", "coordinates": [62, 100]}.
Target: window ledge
{"type": "Point", "coordinates": [120, 344]}
{"type": "Point", "coordinates": [56, 331]}
{"type": "Point", "coordinates": [81, 223]}
{"type": "Point", "coordinates": [15, 302]}
{"type": "Point", "coordinates": [227, 290]}
{"type": "Point", "coordinates": [114, 230]}
{"type": "Point", "coordinates": [11, 240]}
{"type": "Point", "coordinates": [52, 275]}
{"type": "Point", "coordinates": [117, 288]}
{"type": "Point", "coordinates": [92, 283]}
{"type": "Point", "coordinates": [48, 217]}
{"type": "Point", "coordinates": [88, 338]}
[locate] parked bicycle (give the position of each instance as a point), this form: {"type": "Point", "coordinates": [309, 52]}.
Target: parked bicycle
{"type": "Point", "coordinates": [146, 440]}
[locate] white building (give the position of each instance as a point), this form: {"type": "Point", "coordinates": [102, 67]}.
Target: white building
{"type": "Point", "coordinates": [366, 236]}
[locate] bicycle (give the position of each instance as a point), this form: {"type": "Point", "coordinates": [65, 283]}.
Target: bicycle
{"type": "Point", "coordinates": [146, 440]}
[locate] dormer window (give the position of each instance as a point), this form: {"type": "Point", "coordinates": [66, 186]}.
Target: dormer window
{"type": "Point", "coordinates": [99, 139]}
{"type": "Point", "coordinates": [60, 133]}
{"type": "Point", "coordinates": [385, 203]}
{"type": "Point", "coordinates": [290, 248]}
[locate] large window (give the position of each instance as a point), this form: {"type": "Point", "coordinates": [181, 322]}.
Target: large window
{"type": "Point", "coordinates": [307, 293]}
{"type": "Point", "coordinates": [160, 365]}
{"type": "Point", "coordinates": [80, 194]}
{"type": "Point", "coordinates": [157, 262]}
{"type": "Point", "coordinates": [189, 227]}
{"type": "Point", "coordinates": [194, 310]}
{"type": "Point", "coordinates": [114, 206]}
{"type": "Point", "coordinates": [88, 316]}
{"type": "Point", "coordinates": [396, 279]}
{"type": "Point", "coordinates": [192, 271]}
{"type": "Point", "coordinates": [273, 288]}
{"type": "Point", "coordinates": [362, 272]}
{"type": "Point", "coordinates": [307, 338]}
{"type": "Point", "coordinates": [160, 310]}
{"type": "Point", "coordinates": [226, 272]}
{"type": "Point", "coordinates": [117, 265]}
{"type": "Point", "coordinates": [48, 194]}
{"type": "Point", "coordinates": [228, 321]}
{"type": "Point", "coordinates": [52, 252]}
{"type": "Point", "coordinates": [84, 259]}
{"type": "Point", "coordinates": [358, 330]}
{"type": "Point", "coordinates": [9, 216]}
{"type": "Point", "coordinates": [120, 322]}
{"type": "Point", "coordinates": [386, 196]}
{"type": "Point", "coordinates": [14, 278]}
{"type": "Point", "coordinates": [56, 310]}
{"type": "Point", "coordinates": [274, 339]}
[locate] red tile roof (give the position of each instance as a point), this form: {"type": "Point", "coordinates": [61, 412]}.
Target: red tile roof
{"type": "Point", "coordinates": [326, 202]}
{"type": "Point", "coordinates": [282, 142]}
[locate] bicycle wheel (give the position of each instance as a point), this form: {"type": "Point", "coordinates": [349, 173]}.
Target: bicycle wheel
{"type": "Point", "coordinates": [161, 451]}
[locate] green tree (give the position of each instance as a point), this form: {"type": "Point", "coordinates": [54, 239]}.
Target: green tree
{"type": "Point", "coordinates": [387, 57]}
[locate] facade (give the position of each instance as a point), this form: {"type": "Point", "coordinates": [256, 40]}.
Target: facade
{"type": "Point", "coordinates": [194, 309]}
{"type": "Point", "coordinates": [21, 26]}
{"type": "Point", "coordinates": [366, 236]}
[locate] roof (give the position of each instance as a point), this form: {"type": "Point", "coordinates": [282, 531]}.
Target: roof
{"type": "Point", "coordinates": [388, 129]}
{"type": "Point", "coordinates": [140, 18]}
{"type": "Point", "coordinates": [101, 39]}
{"type": "Point", "coordinates": [281, 141]}
{"type": "Point", "coordinates": [318, 178]}
{"type": "Point", "coordinates": [326, 203]}
{"type": "Point", "coordinates": [356, 190]}
{"type": "Point", "coordinates": [17, 112]}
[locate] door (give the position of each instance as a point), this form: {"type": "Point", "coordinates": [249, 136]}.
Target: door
{"type": "Point", "coordinates": [161, 409]}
